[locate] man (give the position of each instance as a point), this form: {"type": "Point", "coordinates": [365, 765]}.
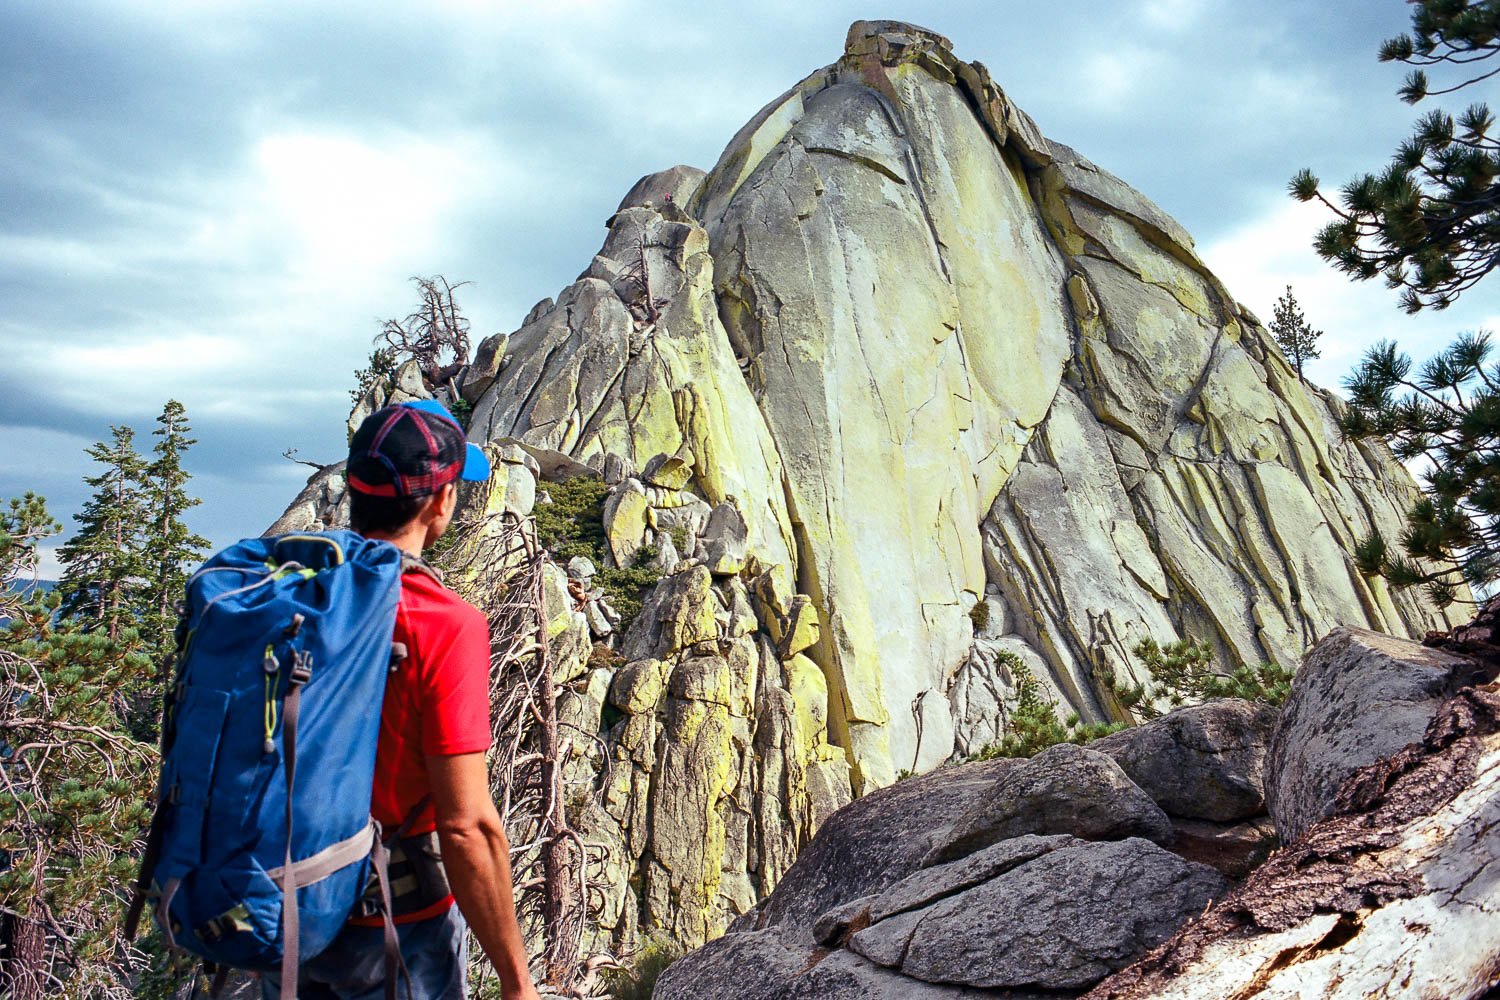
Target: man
{"type": "Point", "coordinates": [431, 782]}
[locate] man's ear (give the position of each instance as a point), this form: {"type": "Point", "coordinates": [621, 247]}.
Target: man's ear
{"type": "Point", "coordinates": [447, 500]}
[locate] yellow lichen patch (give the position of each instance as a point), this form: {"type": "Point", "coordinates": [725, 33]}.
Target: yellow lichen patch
{"type": "Point", "coordinates": [1152, 265]}
{"type": "Point", "coordinates": [809, 690]}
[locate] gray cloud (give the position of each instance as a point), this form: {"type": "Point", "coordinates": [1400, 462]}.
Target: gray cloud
{"type": "Point", "coordinates": [218, 202]}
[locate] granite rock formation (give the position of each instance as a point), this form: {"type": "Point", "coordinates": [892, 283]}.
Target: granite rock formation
{"type": "Point", "coordinates": [1390, 892]}
{"type": "Point", "coordinates": [1390, 888]}
{"type": "Point", "coordinates": [900, 394]}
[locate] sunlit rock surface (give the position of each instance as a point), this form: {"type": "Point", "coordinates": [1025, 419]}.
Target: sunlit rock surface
{"type": "Point", "coordinates": [895, 356]}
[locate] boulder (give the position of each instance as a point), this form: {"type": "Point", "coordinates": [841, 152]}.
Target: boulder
{"type": "Point", "coordinates": [1359, 697]}
{"type": "Point", "coordinates": [1064, 789]}
{"type": "Point", "coordinates": [1203, 762]}
{"type": "Point", "coordinates": [929, 885]}
{"type": "Point", "coordinates": [675, 185]}
{"type": "Point", "coordinates": [409, 384]}
{"type": "Point", "coordinates": [677, 613]}
{"type": "Point", "coordinates": [1027, 917]}
{"type": "Point", "coordinates": [483, 370]}
{"type": "Point", "coordinates": [1060, 921]}
{"type": "Point", "coordinates": [1390, 896]}
{"type": "Point", "coordinates": [724, 540]}
{"type": "Point", "coordinates": [625, 521]}
{"type": "Point", "coordinates": [801, 628]}
{"type": "Point", "coordinates": [876, 841]}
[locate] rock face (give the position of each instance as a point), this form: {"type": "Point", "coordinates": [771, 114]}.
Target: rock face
{"type": "Point", "coordinates": [1358, 699]}
{"type": "Point", "coordinates": [1057, 407]}
{"type": "Point", "coordinates": [1390, 889]}
{"type": "Point", "coordinates": [896, 397]}
{"type": "Point", "coordinates": [902, 897]}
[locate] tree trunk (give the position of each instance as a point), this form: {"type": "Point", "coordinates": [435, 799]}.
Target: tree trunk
{"type": "Point", "coordinates": [560, 900]}
{"type": "Point", "coordinates": [25, 968]}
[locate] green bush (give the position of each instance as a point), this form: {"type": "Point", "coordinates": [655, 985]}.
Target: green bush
{"type": "Point", "coordinates": [1182, 673]}
{"type": "Point", "coordinates": [1034, 725]}
{"type": "Point", "coordinates": [574, 518]}
{"type": "Point", "coordinates": [647, 965]}
{"type": "Point", "coordinates": [379, 370]}
{"type": "Point", "coordinates": [573, 525]}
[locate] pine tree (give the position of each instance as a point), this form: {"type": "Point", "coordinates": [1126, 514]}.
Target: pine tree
{"type": "Point", "coordinates": [170, 546]}
{"type": "Point", "coordinates": [105, 569]}
{"type": "Point", "coordinates": [1430, 222]}
{"type": "Point", "coordinates": [1448, 412]}
{"type": "Point", "coordinates": [1298, 340]}
{"type": "Point", "coordinates": [74, 786]}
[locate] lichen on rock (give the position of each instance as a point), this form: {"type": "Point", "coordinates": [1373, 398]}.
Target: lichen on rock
{"type": "Point", "coordinates": [896, 358]}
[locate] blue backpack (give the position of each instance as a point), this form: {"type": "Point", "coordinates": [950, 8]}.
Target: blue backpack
{"type": "Point", "coordinates": [262, 841]}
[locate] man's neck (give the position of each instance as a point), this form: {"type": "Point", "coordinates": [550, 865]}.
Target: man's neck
{"type": "Point", "coordinates": [410, 539]}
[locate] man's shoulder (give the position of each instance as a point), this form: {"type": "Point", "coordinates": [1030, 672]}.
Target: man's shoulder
{"type": "Point", "coordinates": [424, 596]}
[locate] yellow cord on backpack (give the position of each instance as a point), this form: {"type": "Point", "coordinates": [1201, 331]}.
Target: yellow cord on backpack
{"type": "Point", "coordinates": [272, 676]}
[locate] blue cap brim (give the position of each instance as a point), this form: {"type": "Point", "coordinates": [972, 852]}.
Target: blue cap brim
{"type": "Point", "coordinates": [476, 465]}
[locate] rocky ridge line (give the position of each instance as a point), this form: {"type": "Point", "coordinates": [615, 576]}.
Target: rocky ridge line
{"type": "Point", "coordinates": [899, 393]}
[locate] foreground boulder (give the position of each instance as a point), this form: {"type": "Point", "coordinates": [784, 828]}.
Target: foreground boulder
{"type": "Point", "coordinates": [1393, 895]}
{"type": "Point", "coordinates": [1057, 921]}
{"type": "Point", "coordinates": [1391, 889]}
{"type": "Point", "coordinates": [1008, 878]}
{"type": "Point", "coordinates": [1206, 762]}
{"type": "Point", "coordinates": [1359, 698]}
{"type": "Point", "coordinates": [1065, 789]}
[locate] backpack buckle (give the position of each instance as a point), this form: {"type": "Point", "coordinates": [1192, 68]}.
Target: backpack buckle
{"type": "Point", "coordinates": [301, 671]}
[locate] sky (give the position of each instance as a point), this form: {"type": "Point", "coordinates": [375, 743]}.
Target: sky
{"type": "Point", "coordinates": [218, 202]}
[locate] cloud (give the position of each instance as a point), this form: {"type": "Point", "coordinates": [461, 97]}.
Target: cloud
{"type": "Point", "coordinates": [218, 200]}
{"type": "Point", "coordinates": [1272, 249]}
{"type": "Point", "coordinates": [1172, 14]}
{"type": "Point", "coordinates": [341, 208]}
{"type": "Point", "coordinates": [1119, 76]}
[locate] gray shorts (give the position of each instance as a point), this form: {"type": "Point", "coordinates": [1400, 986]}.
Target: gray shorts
{"type": "Point", "coordinates": [353, 968]}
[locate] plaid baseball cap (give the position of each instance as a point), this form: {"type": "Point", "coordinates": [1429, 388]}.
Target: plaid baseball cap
{"type": "Point", "coordinates": [411, 450]}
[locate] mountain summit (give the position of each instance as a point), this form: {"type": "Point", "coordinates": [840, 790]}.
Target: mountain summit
{"type": "Point", "coordinates": [902, 400]}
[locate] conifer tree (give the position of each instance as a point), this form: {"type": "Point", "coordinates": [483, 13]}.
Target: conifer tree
{"type": "Point", "coordinates": [171, 547]}
{"type": "Point", "coordinates": [1297, 340]}
{"type": "Point", "coordinates": [74, 786]}
{"type": "Point", "coordinates": [1429, 223]}
{"type": "Point", "coordinates": [104, 567]}
{"type": "Point", "coordinates": [1448, 412]}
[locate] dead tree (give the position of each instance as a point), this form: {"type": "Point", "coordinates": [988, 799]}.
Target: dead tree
{"type": "Point", "coordinates": [435, 334]}
{"type": "Point", "coordinates": [497, 565]}
{"type": "Point", "coordinates": [645, 307]}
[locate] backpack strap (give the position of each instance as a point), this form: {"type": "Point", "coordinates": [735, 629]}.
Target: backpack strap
{"type": "Point", "coordinates": [395, 963]}
{"type": "Point", "coordinates": [416, 564]}
{"type": "Point", "coordinates": [301, 673]}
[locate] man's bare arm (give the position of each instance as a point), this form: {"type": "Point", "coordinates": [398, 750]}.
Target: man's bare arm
{"type": "Point", "coordinates": [476, 855]}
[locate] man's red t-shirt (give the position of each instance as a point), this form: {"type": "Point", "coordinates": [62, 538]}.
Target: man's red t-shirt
{"type": "Point", "coordinates": [436, 702]}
